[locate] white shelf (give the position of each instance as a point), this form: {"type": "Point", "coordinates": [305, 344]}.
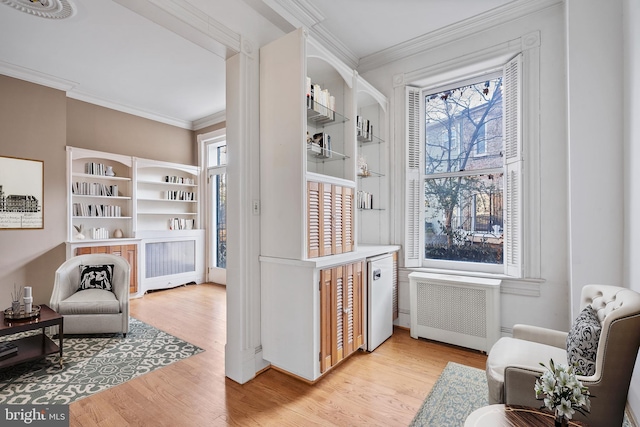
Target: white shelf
{"type": "Point", "coordinates": [87, 196]}
{"type": "Point", "coordinates": [166, 184]}
{"type": "Point", "coordinates": [102, 177]}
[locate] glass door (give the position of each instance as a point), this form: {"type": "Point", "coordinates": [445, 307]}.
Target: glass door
{"type": "Point", "coordinates": [217, 227]}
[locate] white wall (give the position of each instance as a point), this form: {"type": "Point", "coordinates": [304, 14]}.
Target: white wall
{"type": "Point", "coordinates": [544, 303]}
{"type": "Point", "coordinates": [631, 79]}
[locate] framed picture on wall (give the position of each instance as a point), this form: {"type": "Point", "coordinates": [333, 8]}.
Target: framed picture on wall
{"type": "Point", "coordinates": [21, 193]}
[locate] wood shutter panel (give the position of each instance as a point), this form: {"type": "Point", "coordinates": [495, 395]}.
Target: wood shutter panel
{"type": "Point", "coordinates": [326, 327]}
{"type": "Point", "coordinates": [413, 185]}
{"type": "Point", "coordinates": [326, 220]}
{"type": "Point", "coordinates": [347, 219]}
{"type": "Point", "coordinates": [313, 219]}
{"type": "Point", "coordinates": [337, 241]}
{"type": "Point", "coordinates": [512, 112]}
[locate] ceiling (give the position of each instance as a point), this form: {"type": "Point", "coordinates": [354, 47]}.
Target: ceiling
{"type": "Point", "coordinates": [165, 59]}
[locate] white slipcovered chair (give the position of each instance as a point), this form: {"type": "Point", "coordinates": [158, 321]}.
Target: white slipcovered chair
{"type": "Point", "coordinates": [92, 311]}
{"type": "Point", "coordinates": [513, 364]}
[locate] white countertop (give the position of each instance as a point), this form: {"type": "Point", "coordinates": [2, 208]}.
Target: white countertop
{"type": "Point", "coordinates": [363, 252]}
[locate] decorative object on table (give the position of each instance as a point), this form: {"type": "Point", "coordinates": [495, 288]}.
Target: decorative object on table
{"type": "Point", "coordinates": [16, 296]}
{"type": "Point", "coordinates": [562, 392]}
{"type": "Point", "coordinates": [22, 186]}
{"type": "Point", "coordinates": [117, 233]}
{"type": "Point", "coordinates": [28, 299]}
{"type": "Point", "coordinates": [21, 314]}
{"type": "Point", "coordinates": [79, 232]}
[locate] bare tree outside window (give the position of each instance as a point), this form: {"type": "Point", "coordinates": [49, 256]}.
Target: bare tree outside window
{"type": "Point", "coordinates": [464, 173]}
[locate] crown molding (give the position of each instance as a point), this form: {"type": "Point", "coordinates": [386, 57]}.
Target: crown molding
{"type": "Point", "coordinates": [465, 28]}
{"type": "Point", "coordinates": [91, 99]}
{"type": "Point", "coordinates": [334, 45]}
{"type": "Point", "coordinates": [210, 120]}
{"type": "Point", "coordinates": [36, 77]}
{"type": "Point", "coordinates": [302, 13]}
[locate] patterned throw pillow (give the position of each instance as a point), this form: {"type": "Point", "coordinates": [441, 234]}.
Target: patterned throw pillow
{"type": "Point", "coordinates": [96, 277]}
{"type": "Point", "coordinates": [582, 342]}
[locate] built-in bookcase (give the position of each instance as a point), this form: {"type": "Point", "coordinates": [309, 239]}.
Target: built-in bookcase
{"type": "Point", "coordinates": [308, 183]}
{"type": "Point", "coordinates": [150, 207]}
{"type": "Point", "coordinates": [100, 194]}
{"type": "Point", "coordinates": [372, 197]}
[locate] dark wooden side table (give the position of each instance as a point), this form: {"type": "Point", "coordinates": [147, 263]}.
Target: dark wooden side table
{"type": "Point", "coordinates": [512, 416]}
{"type": "Point", "coordinates": [36, 346]}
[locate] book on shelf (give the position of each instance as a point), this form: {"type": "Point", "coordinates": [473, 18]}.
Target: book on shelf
{"type": "Point", "coordinates": [322, 141]}
{"type": "Point", "coordinates": [8, 349]}
{"type": "Point", "coordinates": [94, 189]}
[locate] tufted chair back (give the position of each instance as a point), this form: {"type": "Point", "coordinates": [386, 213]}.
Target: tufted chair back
{"type": "Point", "coordinates": [618, 310]}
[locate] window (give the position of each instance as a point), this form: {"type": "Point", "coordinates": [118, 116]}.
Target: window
{"type": "Point", "coordinates": [464, 161]}
{"type": "Point", "coordinates": [215, 158]}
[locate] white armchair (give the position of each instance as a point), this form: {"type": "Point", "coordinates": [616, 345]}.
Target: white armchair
{"type": "Point", "coordinates": [92, 311]}
{"type": "Point", "coordinates": [513, 363]}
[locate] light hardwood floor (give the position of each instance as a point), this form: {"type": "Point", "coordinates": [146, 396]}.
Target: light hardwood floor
{"type": "Point", "coordinates": [382, 388]}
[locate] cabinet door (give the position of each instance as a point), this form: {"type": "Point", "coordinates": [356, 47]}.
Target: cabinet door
{"type": "Point", "coordinates": [326, 219]}
{"type": "Point", "coordinates": [313, 219]}
{"type": "Point", "coordinates": [341, 315]}
{"type": "Point", "coordinates": [326, 324]}
{"type": "Point", "coordinates": [353, 336]}
{"type": "Point", "coordinates": [347, 219]}
{"type": "Point", "coordinates": [337, 240]}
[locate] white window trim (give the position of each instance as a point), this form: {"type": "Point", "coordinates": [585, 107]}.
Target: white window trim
{"type": "Point", "coordinates": [464, 67]}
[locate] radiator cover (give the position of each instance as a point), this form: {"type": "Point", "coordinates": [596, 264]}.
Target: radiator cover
{"type": "Point", "coordinates": [458, 310]}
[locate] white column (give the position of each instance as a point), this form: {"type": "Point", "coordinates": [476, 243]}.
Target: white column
{"type": "Point", "coordinates": [243, 226]}
{"type": "Point", "coordinates": [595, 140]}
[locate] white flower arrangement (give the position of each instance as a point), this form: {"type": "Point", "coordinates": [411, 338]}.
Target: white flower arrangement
{"type": "Point", "coordinates": [563, 393]}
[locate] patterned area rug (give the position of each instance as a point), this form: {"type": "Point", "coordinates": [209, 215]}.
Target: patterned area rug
{"type": "Point", "coordinates": [459, 391]}
{"type": "Point", "coordinates": [92, 363]}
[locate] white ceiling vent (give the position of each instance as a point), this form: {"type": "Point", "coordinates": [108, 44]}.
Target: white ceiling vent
{"type": "Point", "coordinates": [52, 9]}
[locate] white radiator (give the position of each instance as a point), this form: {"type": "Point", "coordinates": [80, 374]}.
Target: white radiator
{"type": "Point", "coordinates": [458, 310]}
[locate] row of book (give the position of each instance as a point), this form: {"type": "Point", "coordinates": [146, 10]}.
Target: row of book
{"type": "Point", "coordinates": [320, 101]}
{"type": "Point", "coordinates": [320, 145]}
{"type": "Point", "coordinates": [182, 224]}
{"type": "Point", "coordinates": [179, 180]}
{"type": "Point", "coordinates": [364, 129]}
{"type": "Point", "coordinates": [94, 189]}
{"type": "Point", "coordinates": [93, 168]}
{"type": "Point", "coordinates": [84, 209]}
{"type": "Point", "coordinates": [364, 200]}
{"type": "Point", "coordinates": [98, 233]}
{"type": "Point", "coordinates": [180, 195]}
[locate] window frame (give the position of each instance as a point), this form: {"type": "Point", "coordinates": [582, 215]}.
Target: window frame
{"type": "Point", "coordinates": [515, 268]}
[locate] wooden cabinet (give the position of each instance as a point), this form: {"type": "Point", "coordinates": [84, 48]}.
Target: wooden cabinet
{"type": "Point", "coordinates": [329, 219]}
{"type": "Point", "coordinates": [341, 313]}
{"type": "Point", "coordinates": [129, 252]}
